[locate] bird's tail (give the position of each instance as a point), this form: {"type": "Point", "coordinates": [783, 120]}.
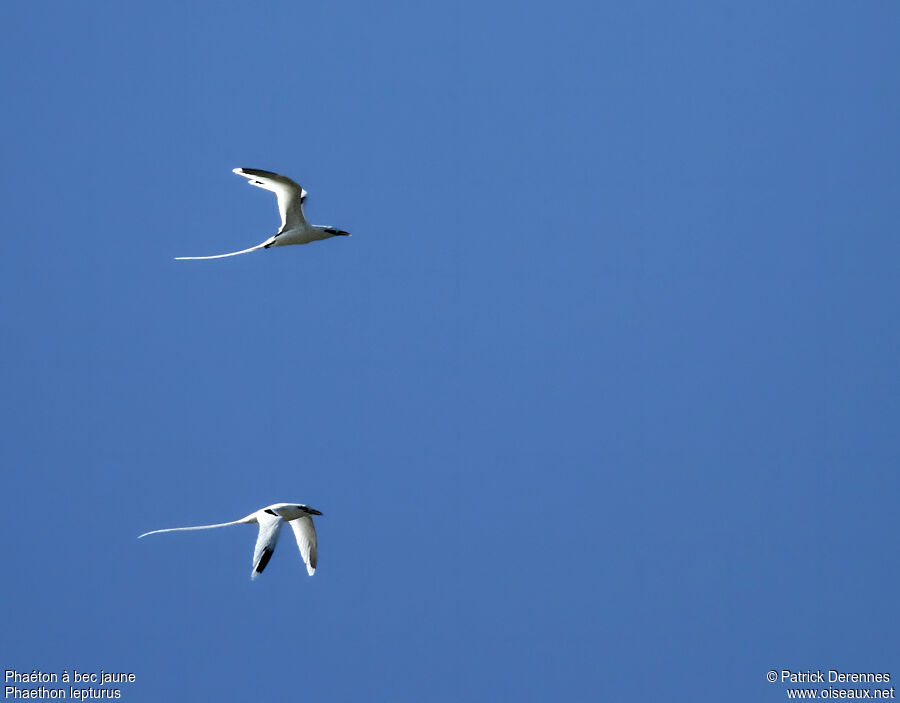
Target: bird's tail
{"type": "Point", "coordinates": [242, 521]}
{"type": "Point", "coordinates": [233, 253]}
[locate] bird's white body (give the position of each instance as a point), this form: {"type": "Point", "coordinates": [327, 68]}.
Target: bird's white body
{"type": "Point", "coordinates": [301, 234]}
{"type": "Point", "coordinates": [270, 520]}
{"type": "Point", "coordinates": [294, 227]}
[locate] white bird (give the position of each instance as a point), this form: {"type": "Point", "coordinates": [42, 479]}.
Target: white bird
{"type": "Point", "coordinates": [294, 227]}
{"type": "Point", "coordinates": [270, 520]}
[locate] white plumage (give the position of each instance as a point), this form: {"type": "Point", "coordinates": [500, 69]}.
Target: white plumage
{"type": "Point", "coordinates": [294, 227]}
{"type": "Point", "coordinates": [270, 520]}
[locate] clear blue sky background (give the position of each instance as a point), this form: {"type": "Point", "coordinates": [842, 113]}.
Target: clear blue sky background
{"type": "Point", "coordinates": [600, 401]}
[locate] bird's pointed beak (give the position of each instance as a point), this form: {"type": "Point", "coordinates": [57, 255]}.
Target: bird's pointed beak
{"type": "Point", "coordinates": [312, 511]}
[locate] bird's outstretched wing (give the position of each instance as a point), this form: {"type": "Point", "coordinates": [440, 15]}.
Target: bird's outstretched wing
{"type": "Point", "coordinates": [290, 195]}
{"type": "Point", "coordinates": [305, 532]}
{"type": "Point", "coordinates": [269, 528]}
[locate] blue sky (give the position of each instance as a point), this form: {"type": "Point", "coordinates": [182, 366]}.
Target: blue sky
{"type": "Point", "coordinates": [600, 401]}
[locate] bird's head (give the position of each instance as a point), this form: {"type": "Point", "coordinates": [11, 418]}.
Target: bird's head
{"type": "Point", "coordinates": [334, 232]}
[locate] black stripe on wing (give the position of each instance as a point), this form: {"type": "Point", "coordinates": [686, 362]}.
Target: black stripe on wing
{"type": "Point", "coordinates": [261, 172]}
{"type": "Point", "coordinates": [263, 560]}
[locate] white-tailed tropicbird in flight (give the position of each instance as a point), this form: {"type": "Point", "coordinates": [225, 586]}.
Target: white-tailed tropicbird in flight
{"type": "Point", "coordinates": [294, 227]}
{"type": "Point", "coordinates": [270, 521]}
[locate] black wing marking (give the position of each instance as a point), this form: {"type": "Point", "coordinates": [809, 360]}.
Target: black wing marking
{"type": "Point", "coordinates": [264, 559]}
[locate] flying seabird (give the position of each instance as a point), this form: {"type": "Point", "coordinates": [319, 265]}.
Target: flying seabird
{"type": "Point", "coordinates": [270, 521]}
{"type": "Point", "coordinates": [294, 227]}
